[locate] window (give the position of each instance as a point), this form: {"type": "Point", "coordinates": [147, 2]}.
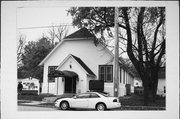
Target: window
{"type": "Point", "coordinates": [120, 75]}
{"type": "Point", "coordinates": [50, 70]}
{"type": "Point", "coordinates": [94, 95]}
{"type": "Point", "coordinates": [85, 95]}
{"type": "Point", "coordinates": [106, 73]}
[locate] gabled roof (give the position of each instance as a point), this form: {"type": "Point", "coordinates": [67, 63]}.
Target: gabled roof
{"type": "Point", "coordinates": [88, 70]}
{"type": "Point", "coordinates": [80, 62]}
{"type": "Point", "coordinates": [82, 33]}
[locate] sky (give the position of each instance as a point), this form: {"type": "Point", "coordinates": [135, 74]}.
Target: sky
{"type": "Point", "coordinates": [33, 21]}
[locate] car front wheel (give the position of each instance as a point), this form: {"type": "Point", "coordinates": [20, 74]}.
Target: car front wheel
{"type": "Point", "coordinates": [64, 105]}
{"type": "Point", "coordinates": [100, 107]}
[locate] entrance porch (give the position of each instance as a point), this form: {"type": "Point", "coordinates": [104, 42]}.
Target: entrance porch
{"type": "Point", "coordinates": [66, 81]}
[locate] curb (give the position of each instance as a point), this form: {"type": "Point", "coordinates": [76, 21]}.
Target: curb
{"type": "Point", "coordinates": [37, 105]}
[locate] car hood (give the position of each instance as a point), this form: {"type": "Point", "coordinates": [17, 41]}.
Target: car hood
{"type": "Point", "coordinates": [65, 98]}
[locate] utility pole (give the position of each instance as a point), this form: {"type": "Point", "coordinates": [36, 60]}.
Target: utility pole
{"type": "Point", "coordinates": [116, 56]}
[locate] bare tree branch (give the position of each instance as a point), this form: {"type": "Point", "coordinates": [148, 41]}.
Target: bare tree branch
{"type": "Point", "coordinates": [20, 47]}
{"type": "Point", "coordinates": [155, 37]}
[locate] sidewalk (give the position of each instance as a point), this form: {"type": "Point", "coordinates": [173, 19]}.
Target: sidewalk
{"type": "Point", "coordinates": [35, 103]}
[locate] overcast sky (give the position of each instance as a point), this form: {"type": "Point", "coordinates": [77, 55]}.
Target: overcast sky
{"type": "Point", "coordinates": [32, 20]}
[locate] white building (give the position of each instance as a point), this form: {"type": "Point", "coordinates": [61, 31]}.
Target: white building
{"type": "Point", "coordinates": [137, 82]}
{"type": "Point", "coordinates": [79, 57]}
{"type": "Point", "coordinates": [161, 90]}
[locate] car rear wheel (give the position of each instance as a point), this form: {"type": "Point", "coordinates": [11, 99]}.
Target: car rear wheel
{"type": "Point", "coordinates": [100, 107]}
{"type": "Point", "coordinates": [64, 105]}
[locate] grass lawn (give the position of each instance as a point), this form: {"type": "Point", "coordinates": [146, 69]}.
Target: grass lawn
{"type": "Point", "coordinates": [135, 102]}
{"type": "Point", "coordinates": [34, 97]}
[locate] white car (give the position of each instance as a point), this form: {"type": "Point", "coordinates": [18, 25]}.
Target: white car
{"type": "Point", "coordinates": [90, 100]}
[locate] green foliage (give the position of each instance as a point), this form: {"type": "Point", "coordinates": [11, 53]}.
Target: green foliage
{"type": "Point", "coordinates": [34, 53]}
{"type": "Point", "coordinates": [97, 19]}
{"type": "Point", "coordinates": [93, 18]}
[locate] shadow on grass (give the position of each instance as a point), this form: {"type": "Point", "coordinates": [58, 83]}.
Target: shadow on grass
{"type": "Point", "coordinates": [136, 102]}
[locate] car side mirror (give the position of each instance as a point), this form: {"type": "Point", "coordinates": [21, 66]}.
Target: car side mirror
{"type": "Point", "coordinates": [74, 97]}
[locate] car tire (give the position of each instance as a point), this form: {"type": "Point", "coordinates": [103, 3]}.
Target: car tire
{"type": "Point", "coordinates": [64, 105]}
{"type": "Point", "coordinates": [100, 107]}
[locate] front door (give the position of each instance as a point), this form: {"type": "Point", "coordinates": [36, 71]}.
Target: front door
{"type": "Point", "coordinates": [70, 85]}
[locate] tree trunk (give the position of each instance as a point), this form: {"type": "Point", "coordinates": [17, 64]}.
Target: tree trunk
{"type": "Point", "coordinates": [154, 79]}
{"type": "Point", "coordinates": [146, 90]}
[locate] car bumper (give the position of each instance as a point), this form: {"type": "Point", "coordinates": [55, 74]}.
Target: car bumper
{"type": "Point", "coordinates": [56, 104]}
{"type": "Point", "coordinates": [114, 105]}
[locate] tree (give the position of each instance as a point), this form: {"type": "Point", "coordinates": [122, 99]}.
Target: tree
{"type": "Point", "coordinates": [57, 33]}
{"type": "Point", "coordinates": [20, 47]}
{"type": "Point", "coordinates": [142, 30]}
{"type": "Point", "coordinates": [34, 53]}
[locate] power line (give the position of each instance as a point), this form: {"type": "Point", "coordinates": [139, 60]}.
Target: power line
{"type": "Point", "coordinates": [38, 27]}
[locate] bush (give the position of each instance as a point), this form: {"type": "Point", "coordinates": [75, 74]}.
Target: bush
{"type": "Point", "coordinates": [30, 97]}
{"type": "Point", "coordinates": [138, 100]}
{"type": "Point", "coordinates": [29, 92]}
{"type": "Point", "coordinates": [46, 95]}
{"type": "Point", "coordinates": [35, 97]}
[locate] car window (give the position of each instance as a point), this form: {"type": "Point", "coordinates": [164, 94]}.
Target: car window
{"type": "Point", "coordinates": [105, 95]}
{"type": "Point", "coordinates": [85, 95]}
{"type": "Point", "coordinates": [93, 95]}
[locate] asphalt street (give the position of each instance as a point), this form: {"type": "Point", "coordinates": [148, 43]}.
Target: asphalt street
{"type": "Point", "coordinates": [35, 108]}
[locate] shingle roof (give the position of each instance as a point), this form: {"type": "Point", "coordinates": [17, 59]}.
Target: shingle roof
{"type": "Point", "coordinates": [81, 33]}
{"type": "Point", "coordinates": [88, 70]}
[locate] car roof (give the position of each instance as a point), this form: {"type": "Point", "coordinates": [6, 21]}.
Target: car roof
{"type": "Point", "coordinates": [89, 93]}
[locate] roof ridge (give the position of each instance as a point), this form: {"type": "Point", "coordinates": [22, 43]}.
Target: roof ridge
{"type": "Point", "coordinates": [89, 71]}
{"type": "Point", "coordinates": [81, 33]}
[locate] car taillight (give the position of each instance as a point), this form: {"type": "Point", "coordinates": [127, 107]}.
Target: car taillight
{"type": "Point", "coordinates": [115, 100]}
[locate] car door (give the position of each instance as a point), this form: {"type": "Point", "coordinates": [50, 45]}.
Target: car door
{"type": "Point", "coordinates": [93, 100]}
{"type": "Point", "coordinates": [81, 101]}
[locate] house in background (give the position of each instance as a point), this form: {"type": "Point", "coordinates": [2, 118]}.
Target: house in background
{"type": "Point", "coordinates": [80, 60]}
{"type": "Point", "coordinates": [30, 84]}
{"type": "Point", "coordinates": [137, 82]}
{"type": "Point", "coordinates": [161, 88]}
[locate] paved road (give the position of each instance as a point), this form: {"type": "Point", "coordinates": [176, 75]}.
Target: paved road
{"type": "Point", "coordinates": [35, 108]}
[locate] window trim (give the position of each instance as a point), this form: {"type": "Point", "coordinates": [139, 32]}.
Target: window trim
{"type": "Point", "coordinates": [51, 79]}
{"type": "Point", "coordinates": [105, 75]}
